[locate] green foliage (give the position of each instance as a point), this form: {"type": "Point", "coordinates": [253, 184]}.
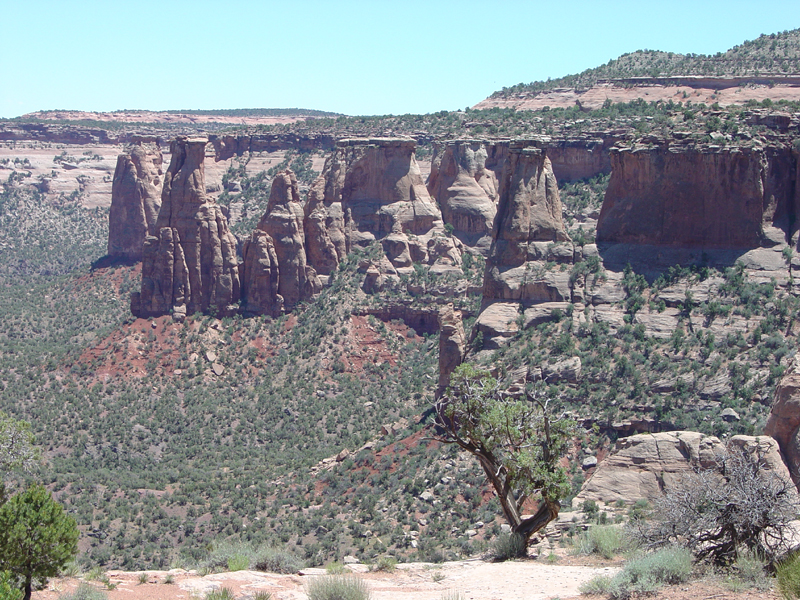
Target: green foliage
{"type": "Point", "coordinates": [238, 556]}
{"type": "Point", "coordinates": [223, 593]}
{"type": "Point", "coordinates": [337, 587]}
{"type": "Point", "coordinates": [604, 540]}
{"type": "Point", "coordinates": [508, 546]}
{"type": "Point", "coordinates": [644, 575]}
{"type": "Point", "coordinates": [36, 537]}
{"type": "Point", "coordinates": [385, 563]}
{"type": "Point", "coordinates": [16, 446]}
{"type": "Point", "coordinates": [8, 591]}
{"type": "Point", "coordinates": [788, 575]}
{"type": "Point", "coordinates": [749, 571]}
{"type": "Point", "coordinates": [518, 444]}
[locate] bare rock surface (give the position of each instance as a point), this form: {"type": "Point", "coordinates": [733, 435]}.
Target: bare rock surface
{"type": "Point", "coordinates": [190, 264]}
{"type": "Point", "coordinates": [452, 343]}
{"type": "Point", "coordinates": [647, 465]}
{"type": "Point", "coordinates": [783, 422]}
{"type": "Point", "coordinates": [135, 199]}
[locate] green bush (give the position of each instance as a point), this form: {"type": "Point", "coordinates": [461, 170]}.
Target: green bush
{"type": "Point", "coordinates": [605, 540]}
{"type": "Point", "coordinates": [385, 563]}
{"type": "Point", "coordinates": [240, 556]}
{"type": "Point", "coordinates": [8, 591]}
{"type": "Point", "coordinates": [508, 546]}
{"type": "Point", "coordinates": [238, 562]}
{"type": "Point", "coordinates": [788, 574]}
{"type": "Point", "coordinates": [275, 560]}
{"type": "Point", "coordinates": [85, 591]}
{"type": "Point", "coordinates": [749, 572]}
{"type": "Point", "coordinates": [644, 575]}
{"type": "Point", "coordinates": [337, 587]}
{"type": "Point", "coordinates": [220, 594]}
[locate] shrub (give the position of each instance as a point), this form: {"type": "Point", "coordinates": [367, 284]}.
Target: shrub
{"type": "Point", "coordinates": [605, 540]}
{"type": "Point", "coordinates": [508, 546]}
{"type": "Point", "coordinates": [644, 575]}
{"type": "Point", "coordinates": [337, 587]}
{"type": "Point", "coordinates": [276, 560]}
{"type": "Point", "coordinates": [719, 513]}
{"type": "Point", "coordinates": [220, 594]}
{"type": "Point", "coordinates": [8, 590]}
{"type": "Point", "coordinates": [788, 574]}
{"type": "Point", "coordinates": [749, 572]}
{"type": "Point", "coordinates": [85, 591]}
{"type": "Point", "coordinates": [238, 562]}
{"type": "Point", "coordinates": [335, 568]}
{"type": "Point", "coordinates": [385, 563]}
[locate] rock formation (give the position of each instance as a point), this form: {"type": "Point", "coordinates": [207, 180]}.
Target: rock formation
{"type": "Point", "coordinates": [693, 196]}
{"type": "Point", "coordinates": [259, 274]}
{"type": "Point", "coordinates": [527, 225]}
{"type": "Point", "coordinates": [283, 222]}
{"type": "Point", "coordinates": [135, 199]}
{"type": "Point", "coordinates": [647, 465]}
{"type": "Point", "coordinates": [452, 343]}
{"type": "Point", "coordinates": [372, 190]}
{"type": "Point", "coordinates": [190, 262]}
{"type": "Point", "coordinates": [464, 181]}
{"type": "Point", "coordinates": [783, 422]}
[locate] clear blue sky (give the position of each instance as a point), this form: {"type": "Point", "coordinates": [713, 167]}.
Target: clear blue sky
{"type": "Point", "coordinates": [371, 57]}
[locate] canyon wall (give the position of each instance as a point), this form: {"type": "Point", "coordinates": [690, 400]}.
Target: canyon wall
{"type": "Point", "coordinates": [135, 199]}
{"type": "Point", "coordinates": [699, 196]}
{"type": "Point", "coordinates": [189, 264]}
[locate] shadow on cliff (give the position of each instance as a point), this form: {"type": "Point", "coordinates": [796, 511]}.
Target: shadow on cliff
{"type": "Point", "coordinates": [107, 261]}
{"type": "Point", "coordinates": [651, 261]}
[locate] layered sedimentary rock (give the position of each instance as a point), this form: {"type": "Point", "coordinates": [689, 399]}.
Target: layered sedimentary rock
{"type": "Point", "coordinates": [259, 274]}
{"type": "Point", "coordinates": [372, 190]}
{"type": "Point", "coordinates": [690, 196]}
{"type": "Point", "coordinates": [190, 262]}
{"type": "Point", "coordinates": [574, 159]}
{"type": "Point", "coordinates": [648, 465]}
{"type": "Point", "coordinates": [464, 181]}
{"type": "Point", "coordinates": [135, 199]}
{"type": "Point", "coordinates": [527, 228]}
{"type": "Point", "coordinates": [452, 343]}
{"type": "Point", "coordinates": [783, 423]}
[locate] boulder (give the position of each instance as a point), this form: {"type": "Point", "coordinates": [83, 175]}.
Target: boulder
{"type": "Point", "coordinates": [649, 464]}
{"type": "Point", "coordinates": [189, 264]}
{"type": "Point", "coordinates": [783, 422]}
{"type": "Point", "coordinates": [135, 199]}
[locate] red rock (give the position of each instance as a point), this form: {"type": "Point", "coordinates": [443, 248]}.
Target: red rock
{"type": "Point", "coordinates": [135, 199]}
{"type": "Point", "coordinates": [190, 264]}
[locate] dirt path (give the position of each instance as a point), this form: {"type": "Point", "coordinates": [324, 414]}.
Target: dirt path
{"type": "Point", "coordinates": [474, 579]}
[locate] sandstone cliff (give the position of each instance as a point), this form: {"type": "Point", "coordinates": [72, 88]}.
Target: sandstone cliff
{"type": "Point", "coordinates": [694, 196]}
{"type": "Point", "coordinates": [784, 420]}
{"type": "Point", "coordinates": [648, 465]}
{"type": "Point", "coordinates": [135, 199]}
{"type": "Point", "coordinates": [371, 190]}
{"type": "Point", "coordinates": [452, 343]}
{"type": "Point", "coordinates": [464, 181]}
{"type": "Point", "coordinates": [283, 222]}
{"type": "Point", "coordinates": [190, 263]}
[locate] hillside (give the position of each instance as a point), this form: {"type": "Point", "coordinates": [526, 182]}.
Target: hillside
{"type": "Point", "coordinates": [767, 67]}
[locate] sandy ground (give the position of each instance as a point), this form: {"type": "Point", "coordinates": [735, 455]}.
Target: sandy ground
{"type": "Point", "coordinates": [474, 579]}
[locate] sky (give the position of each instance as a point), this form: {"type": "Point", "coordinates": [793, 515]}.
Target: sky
{"type": "Point", "coordinates": [347, 56]}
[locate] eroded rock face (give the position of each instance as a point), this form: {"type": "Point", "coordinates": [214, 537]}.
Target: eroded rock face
{"type": "Point", "coordinates": [783, 423]}
{"type": "Point", "coordinates": [452, 343]}
{"type": "Point", "coordinates": [648, 465]}
{"type": "Point", "coordinates": [189, 264]}
{"type": "Point", "coordinates": [135, 199]}
{"type": "Point", "coordinates": [283, 222]}
{"type": "Point", "coordinates": [259, 273]}
{"type": "Point", "coordinates": [707, 197]}
{"type": "Point", "coordinates": [371, 190]}
{"type": "Point", "coordinates": [464, 181]}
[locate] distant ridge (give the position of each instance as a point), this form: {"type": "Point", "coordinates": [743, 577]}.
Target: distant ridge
{"type": "Point", "coordinates": [775, 54]}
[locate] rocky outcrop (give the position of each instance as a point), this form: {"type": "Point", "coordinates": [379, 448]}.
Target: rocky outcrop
{"type": "Point", "coordinates": [135, 199]}
{"type": "Point", "coordinates": [580, 158]}
{"type": "Point", "coordinates": [189, 265]}
{"type": "Point", "coordinates": [783, 422]}
{"type": "Point", "coordinates": [464, 181]}
{"type": "Point", "coordinates": [528, 226]}
{"type": "Point", "coordinates": [371, 190]}
{"type": "Point", "coordinates": [698, 196]}
{"type": "Point", "coordinates": [452, 343]}
{"type": "Point", "coordinates": [259, 275]}
{"type": "Point", "coordinates": [648, 465]}
{"type": "Point", "coordinates": [283, 222]}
